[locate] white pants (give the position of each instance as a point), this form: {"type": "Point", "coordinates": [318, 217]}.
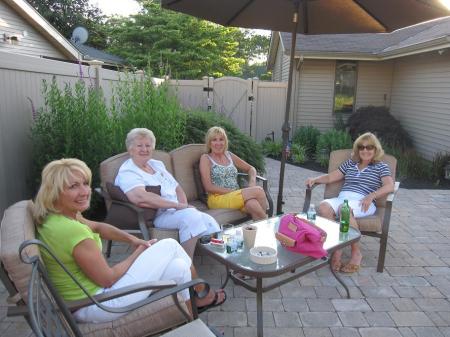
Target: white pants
{"type": "Point", "coordinates": [354, 201]}
{"type": "Point", "coordinates": [165, 260]}
{"type": "Point", "coordinates": [190, 222]}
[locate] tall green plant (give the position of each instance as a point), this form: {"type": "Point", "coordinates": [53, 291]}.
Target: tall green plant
{"type": "Point", "coordinates": [307, 136]}
{"type": "Point", "coordinates": [73, 123]}
{"type": "Point", "coordinates": [330, 141]}
{"type": "Point", "coordinates": [137, 102]}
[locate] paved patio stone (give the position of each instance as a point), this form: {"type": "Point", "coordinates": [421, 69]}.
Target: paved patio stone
{"type": "Point", "coordinates": [378, 292]}
{"type": "Point", "coordinates": [223, 318]}
{"type": "Point", "coordinates": [427, 332]}
{"type": "Point", "coordinates": [287, 319]}
{"type": "Point", "coordinates": [433, 304]}
{"type": "Point", "coordinates": [353, 319]}
{"type": "Point", "coordinates": [379, 332]}
{"type": "Point", "coordinates": [379, 318]}
{"type": "Point", "coordinates": [319, 319]}
{"type": "Point", "coordinates": [268, 304]}
{"type": "Point", "coordinates": [317, 332]}
{"type": "Point", "coordinates": [404, 304]}
{"type": "Point", "coordinates": [268, 320]}
{"type": "Point", "coordinates": [350, 305]}
{"type": "Point", "coordinates": [410, 319]}
{"type": "Point", "coordinates": [344, 332]}
{"type": "Point", "coordinates": [319, 304]}
{"type": "Point", "coordinates": [295, 304]}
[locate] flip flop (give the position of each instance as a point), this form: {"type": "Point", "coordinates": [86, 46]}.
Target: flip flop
{"type": "Point", "coordinates": [350, 268]}
{"type": "Point", "coordinates": [214, 302]}
{"type": "Point", "coordinates": [336, 266]}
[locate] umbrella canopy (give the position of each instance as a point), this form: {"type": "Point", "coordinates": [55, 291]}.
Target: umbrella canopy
{"type": "Point", "coordinates": [311, 17]}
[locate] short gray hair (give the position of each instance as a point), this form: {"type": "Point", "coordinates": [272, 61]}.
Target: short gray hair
{"type": "Point", "coordinates": [137, 133]}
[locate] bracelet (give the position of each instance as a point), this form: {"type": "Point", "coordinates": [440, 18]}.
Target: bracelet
{"type": "Point", "coordinates": [375, 194]}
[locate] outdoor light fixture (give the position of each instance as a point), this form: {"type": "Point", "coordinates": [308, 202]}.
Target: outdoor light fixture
{"type": "Point", "coordinates": [447, 171]}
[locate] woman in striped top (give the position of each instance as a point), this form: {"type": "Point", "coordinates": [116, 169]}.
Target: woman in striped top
{"type": "Point", "coordinates": [366, 178]}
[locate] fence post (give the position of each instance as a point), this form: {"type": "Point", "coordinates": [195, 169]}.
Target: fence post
{"type": "Point", "coordinates": [97, 65]}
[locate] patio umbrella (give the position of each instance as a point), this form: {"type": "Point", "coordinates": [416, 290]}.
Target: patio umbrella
{"type": "Point", "coordinates": [311, 17]}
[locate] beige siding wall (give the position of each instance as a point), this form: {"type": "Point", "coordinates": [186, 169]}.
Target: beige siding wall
{"type": "Point", "coordinates": [374, 83]}
{"type": "Point", "coordinates": [421, 100]}
{"type": "Point", "coordinates": [314, 91]}
{"type": "Point", "coordinates": [33, 44]}
{"type": "Point", "coordinates": [277, 69]}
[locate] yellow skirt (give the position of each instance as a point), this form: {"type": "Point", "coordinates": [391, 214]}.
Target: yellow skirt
{"type": "Point", "coordinates": [233, 200]}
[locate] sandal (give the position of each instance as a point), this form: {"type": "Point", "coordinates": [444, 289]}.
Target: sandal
{"type": "Point", "coordinates": [336, 267]}
{"type": "Point", "coordinates": [350, 268]}
{"type": "Point", "coordinates": [214, 303]}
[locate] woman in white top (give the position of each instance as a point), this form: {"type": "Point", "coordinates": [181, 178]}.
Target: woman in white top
{"type": "Point", "coordinates": [174, 212]}
{"type": "Point", "coordinates": [219, 170]}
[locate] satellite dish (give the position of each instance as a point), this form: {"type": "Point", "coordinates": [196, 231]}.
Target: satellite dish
{"type": "Point", "coordinates": [79, 35]}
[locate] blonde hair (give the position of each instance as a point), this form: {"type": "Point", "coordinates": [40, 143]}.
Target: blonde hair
{"type": "Point", "coordinates": [55, 176]}
{"type": "Point", "coordinates": [137, 133]}
{"type": "Point", "coordinates": [372, 140]}
{"type": "Point", "coordinates": [212, 132]}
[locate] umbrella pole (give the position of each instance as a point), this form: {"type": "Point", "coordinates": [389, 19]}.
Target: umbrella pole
{"type": "Point", "coordinates": [286, 125]}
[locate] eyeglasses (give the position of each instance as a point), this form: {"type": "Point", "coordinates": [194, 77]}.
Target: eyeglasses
{"type": "Point", "coordinates": [367, 147]}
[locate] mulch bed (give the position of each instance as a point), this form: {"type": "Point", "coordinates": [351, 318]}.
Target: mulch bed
{"type": "Point", "coordinates": [408, 183]}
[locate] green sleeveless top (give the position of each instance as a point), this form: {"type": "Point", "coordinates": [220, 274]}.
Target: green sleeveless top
{"type": "Point", "coordinates": [224, 175]}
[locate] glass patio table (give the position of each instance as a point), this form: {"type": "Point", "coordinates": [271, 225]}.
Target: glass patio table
{"type": "Point", "coordinates": [288, 266]}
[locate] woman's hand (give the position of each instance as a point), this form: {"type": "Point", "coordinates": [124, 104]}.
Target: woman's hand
{"type": "Point", "coordinates": [142, 244]}
{"type": "Point", "coordinates": [310, 182]}
{"type": "Point", "coordinates": [365, 203]}
{"type": "Point", "coordinates": [182, 205]}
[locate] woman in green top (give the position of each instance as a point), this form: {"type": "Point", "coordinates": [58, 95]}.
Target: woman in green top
{"type": "Point", "coordinates": [64, 193]}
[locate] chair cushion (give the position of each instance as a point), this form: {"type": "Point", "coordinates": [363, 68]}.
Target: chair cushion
{"type": "Point", "coordinates": [17, 226]}
{"type": "Point", "coordinates": [192, 329]}
{"type": "Point", "coordinates": [183, 160]}
{"type": "Point", "coordinates": [202, 196]}
{"type": "Point", "coordinates": [148, 320]}
{"type": "Point", "coordinates": [123, 217]}
{"type": "Point", "coordinates": [222, 215]}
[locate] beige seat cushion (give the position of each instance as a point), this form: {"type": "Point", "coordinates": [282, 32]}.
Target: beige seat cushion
{"type": "Point", "coordinates": [192, 329]}
{"type": "Point", "coordinates": [222, 215]}
{"type": "Point", "coordinates": [373, 222]}
{"type": "Point", "coordinates": [17, 226]}
{"type": "Point", "coordinates": [147, 320]}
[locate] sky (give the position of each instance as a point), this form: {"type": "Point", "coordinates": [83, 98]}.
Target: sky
{"type": "Point", "coordinates": [121, 7]}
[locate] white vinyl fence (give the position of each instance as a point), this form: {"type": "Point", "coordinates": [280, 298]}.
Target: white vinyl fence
{"type": "Point", "coordinates": [255, 106]}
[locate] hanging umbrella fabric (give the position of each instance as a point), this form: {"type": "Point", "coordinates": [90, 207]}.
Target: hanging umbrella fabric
{"type": "Point", "coordinates": [311, 17]}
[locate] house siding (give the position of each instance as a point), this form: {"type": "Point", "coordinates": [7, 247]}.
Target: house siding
{"type": "Point", "coordinates": [277, 68]}
{"type": "Point", "coordinates": [33, 44]}
{"type": "Point", "coordinates": [421, 100]}
{"type": "Point", "coordinates": [314, 88]}
{"type": "Point", "coordinates": [374, 83]}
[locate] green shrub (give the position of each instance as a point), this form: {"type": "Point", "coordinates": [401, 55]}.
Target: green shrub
{"type": "Point", "coordinates": [137, 102]}
{"type": "Point", "coordinates": [73, 123]}
{"type": "Point", "coordinates": [410, 164]}
{"type": "Point", "coordinates": [198, 122]}
{"type": "Point", "coordinates": [271, 148]}
{"type": "Point", "coordinates": [379, 121]}
{"type": "Point", "coordinates": [330, 141]}
{"type": "Point", "coordinates": [298, 153]}
{"type": "Point", "coordinates": [307, 136]}
{"type": "Point", "coordinates": [438, 166]}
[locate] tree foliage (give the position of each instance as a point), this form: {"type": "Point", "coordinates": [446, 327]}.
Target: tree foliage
{"type": "Point", "coordinates": [65, 15]}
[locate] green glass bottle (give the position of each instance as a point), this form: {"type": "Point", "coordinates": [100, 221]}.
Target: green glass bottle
{"type": "Point", "coordinates": [345, 217]}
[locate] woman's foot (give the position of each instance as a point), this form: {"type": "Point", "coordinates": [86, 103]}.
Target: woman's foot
{"type": "Point", "coordinates": [213, 299]}
{"type": "Point", "coordinates": [336, 263]}
{"type": "Point", "coordinates": [353, 265]}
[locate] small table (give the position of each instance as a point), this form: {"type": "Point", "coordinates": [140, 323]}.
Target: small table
{"type": "Point", "coordinates": [292, 264]}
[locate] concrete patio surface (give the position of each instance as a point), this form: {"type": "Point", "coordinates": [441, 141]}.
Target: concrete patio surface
{"type": "Point", "coordinates": [409, 299]}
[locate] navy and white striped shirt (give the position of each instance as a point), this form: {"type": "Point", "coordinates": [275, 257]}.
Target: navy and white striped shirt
{"type": "Point", "coordinates": [366, 181]}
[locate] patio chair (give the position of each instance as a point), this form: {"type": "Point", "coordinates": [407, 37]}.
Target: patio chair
{"type": "Point", "coordinates": [376, 225]}
{"type": "Point", "coordinates": [50, 315]}
{"type": "Point", "coordinates": [159, 313]}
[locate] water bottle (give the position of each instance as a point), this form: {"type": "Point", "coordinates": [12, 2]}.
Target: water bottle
{"type": "Point", "coordinates": [345, 217]}
{"type": "Point", "coordinates": [311, 214]}
{"type": "Point", "coordinates": [239, 237]}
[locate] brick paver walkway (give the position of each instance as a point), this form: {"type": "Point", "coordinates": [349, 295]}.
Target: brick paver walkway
{"type": "Point", "coordinates": [410, 299]}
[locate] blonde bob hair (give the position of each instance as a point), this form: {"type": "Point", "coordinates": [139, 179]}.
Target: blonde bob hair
{"type": "Point", "coordinates": [212, 132]}
{"type": "Point", "coordinates": [370, 139]}
{"type": "Point", "coordinates": [55, 176]}
{"type": "Point", "coordinates": [139, 133]}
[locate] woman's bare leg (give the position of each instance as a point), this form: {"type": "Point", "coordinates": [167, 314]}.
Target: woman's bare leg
{"type": "Point", "coordinates": [356, 256]}
{"type": "Point", "coordinates": [256, 210]}
{"type": "Point", "coordinates": [326, 211]}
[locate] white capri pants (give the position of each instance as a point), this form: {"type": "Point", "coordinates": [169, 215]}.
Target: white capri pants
{"type": "Point", "coordinates": [165, 260]}
{"type": "Point", "coordinates": [190, 222]}
{"type": "Point", "coordinates": [354, 201]}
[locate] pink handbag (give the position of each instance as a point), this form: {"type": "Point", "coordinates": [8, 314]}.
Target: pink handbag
{"type": "Point", "coordinates": [301, 236]}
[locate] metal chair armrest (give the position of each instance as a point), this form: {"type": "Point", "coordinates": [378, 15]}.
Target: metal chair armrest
{"type": "Point", "coordinates": [391, 196]}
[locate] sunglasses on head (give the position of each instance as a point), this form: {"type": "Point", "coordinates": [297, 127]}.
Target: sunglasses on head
{"type": "Point", "coordinates": [367, 147]}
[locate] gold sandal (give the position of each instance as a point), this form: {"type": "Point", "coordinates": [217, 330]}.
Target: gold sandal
{"type": "Point", "coordinates": [350, 268]}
